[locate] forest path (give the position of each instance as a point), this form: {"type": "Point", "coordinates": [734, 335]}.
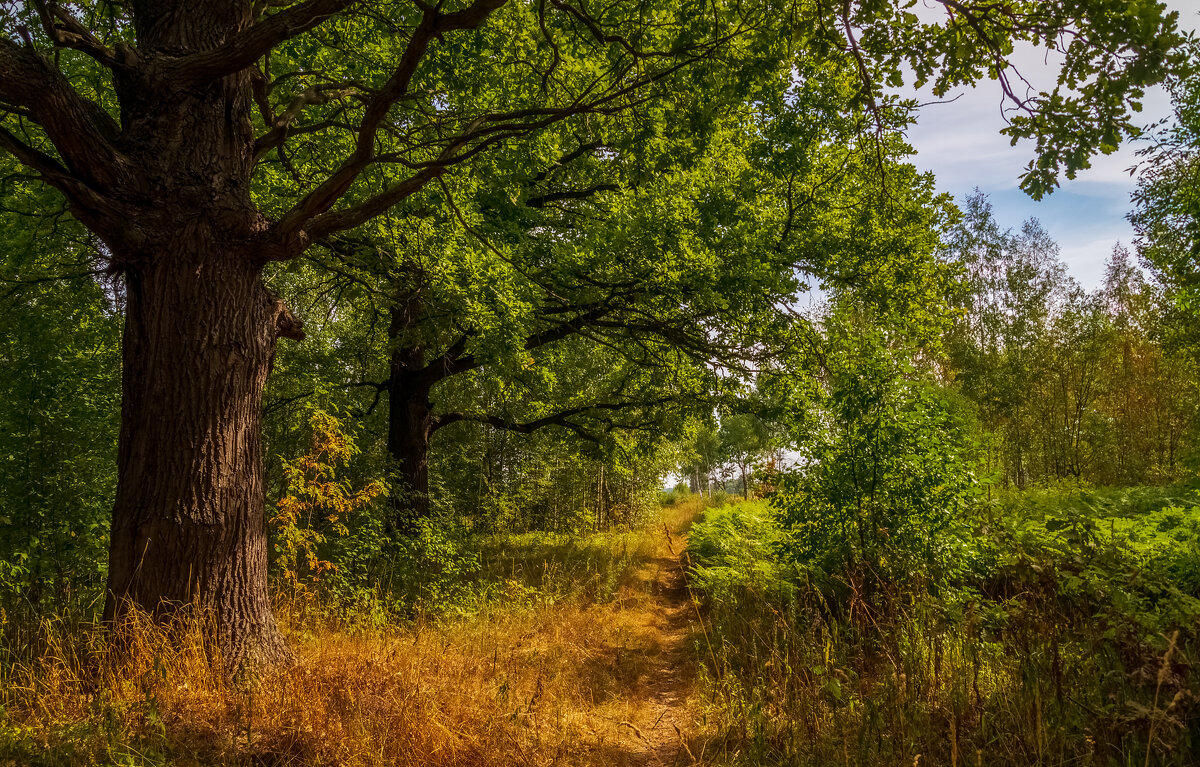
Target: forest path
{"type": "Point", "coordinates": [663, 722]}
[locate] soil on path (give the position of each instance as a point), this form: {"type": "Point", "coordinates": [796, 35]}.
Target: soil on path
{"type": "Point", "coordinates": [663, 724]}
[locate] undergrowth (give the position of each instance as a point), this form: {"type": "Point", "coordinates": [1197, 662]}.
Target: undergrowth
{"type": "Point", "coordinates": [1072, 640]}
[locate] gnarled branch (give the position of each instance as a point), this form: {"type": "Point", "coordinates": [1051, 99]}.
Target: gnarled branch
{"type": "Point", "coordinates": [82, 132]}
{"type": "Point", "coordinates": [248, 46]}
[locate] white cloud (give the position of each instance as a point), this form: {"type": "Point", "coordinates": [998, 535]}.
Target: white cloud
{"type": "Point", "coordinates": [961, 143]}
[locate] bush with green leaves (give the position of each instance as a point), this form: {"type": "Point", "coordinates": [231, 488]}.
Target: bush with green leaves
{"type": "Point", "coordinates": [1072, 636]}
{"type": "Point", "coordinates": [889, 466]}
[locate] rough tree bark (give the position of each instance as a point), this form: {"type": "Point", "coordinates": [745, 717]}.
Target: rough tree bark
{"type": "Point", "coordinates": [200, 334]}
{"type": "Point", "coordinates": [188, 523]}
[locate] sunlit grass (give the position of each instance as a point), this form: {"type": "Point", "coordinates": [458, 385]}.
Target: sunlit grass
{"type": "Point", "coordinates": [550, 666]}
{"type": "Point", "coordinates": [557, 655]}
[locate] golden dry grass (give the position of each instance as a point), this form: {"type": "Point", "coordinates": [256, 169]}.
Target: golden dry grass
{"type": "Point", "coordinates": [576, 680]}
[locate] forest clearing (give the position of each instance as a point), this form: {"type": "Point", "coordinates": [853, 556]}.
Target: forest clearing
{"type": "Point", "coordinates": [553, 382]}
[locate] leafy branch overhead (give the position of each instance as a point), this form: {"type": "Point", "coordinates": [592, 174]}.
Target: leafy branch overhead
{"type": "Point", "coordinates": [360, 106]}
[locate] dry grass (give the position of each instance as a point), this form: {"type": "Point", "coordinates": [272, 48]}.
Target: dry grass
{"type": "Point", "coordinates": [566, 681]}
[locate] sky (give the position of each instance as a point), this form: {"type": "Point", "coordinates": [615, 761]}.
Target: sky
{"type": "Point", "coordinates": [961, 143]}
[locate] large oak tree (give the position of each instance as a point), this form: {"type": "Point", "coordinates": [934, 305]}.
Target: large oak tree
{"type": "Point", "coordinates": [200, 142]}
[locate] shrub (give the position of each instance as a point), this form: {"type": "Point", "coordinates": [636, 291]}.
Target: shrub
{"type": "Point", "coordinates": [888, 476]}
{"type": "Point", "coordinates": [315, 506]}
{"type": "Point", "coordinates": [733, 549]}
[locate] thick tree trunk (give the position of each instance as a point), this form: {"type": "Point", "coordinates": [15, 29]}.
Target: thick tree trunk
{"type": "Point", "coordinates": [410, 425]}
{"type": "Point", "coordinates": [188, 524]}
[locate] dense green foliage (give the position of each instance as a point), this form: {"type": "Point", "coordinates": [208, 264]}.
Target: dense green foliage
{"type": "Point", "coordinates": [1069, 638]}
{"type": "Point", "coordinates": [60, 385]}
{"type": "Point", "coordinates": [888, 464]}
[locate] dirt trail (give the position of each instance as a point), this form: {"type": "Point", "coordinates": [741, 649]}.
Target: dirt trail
{"type": "Point", "coordinates": [662, 727]}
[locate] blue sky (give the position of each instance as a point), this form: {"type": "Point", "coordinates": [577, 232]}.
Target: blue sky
{"type": "Point", "coordinates": [961, 143]}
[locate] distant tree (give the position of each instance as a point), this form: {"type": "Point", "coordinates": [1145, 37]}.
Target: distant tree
{"type": "Point", "coordinates": [1072, 384]}
{"type": "Point", "coordinates": [745, 440]}
{"type": "Point", "coordinates": [702, 454]}
{"type": "Point", "coordinates": [1013, 284]}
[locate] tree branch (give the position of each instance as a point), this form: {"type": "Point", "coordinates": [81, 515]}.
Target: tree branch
{"type": "Point", "coordinates": [81, 131]}
{"type": "Point", "coordinates": [454, 361]}
{"type": "Point", "coordinates": [89, 206]}
{"type": "Point", "coordinates": [433, 24]}
{"type": "Point", "coordinates": [561, 418]}
{"type": "Point", "coordinates": [312, 218]}
{"type": "Point", "coordinates": [571, 194]}
{"type": "Point", "coordinates": [65, 31]}
{"type": "Point", "coordinates": [36, 160]}
{"type": "Point", "coordinates": [248, 46]}
{"type": "Point", "coordinates": [281, 127]}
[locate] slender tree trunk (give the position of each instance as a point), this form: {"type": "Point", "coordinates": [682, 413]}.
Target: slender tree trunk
{"type": "Point", "coordinates": [188, 522]}
{"type": "Point", "coordinates": [410, 425]}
